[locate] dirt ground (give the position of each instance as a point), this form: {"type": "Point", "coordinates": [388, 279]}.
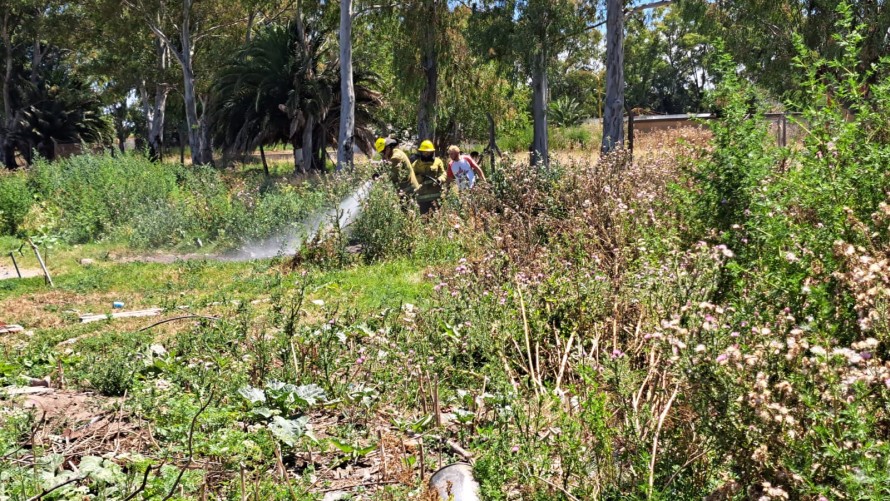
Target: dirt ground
{"type": "Point", "coordinates": [7, 272]}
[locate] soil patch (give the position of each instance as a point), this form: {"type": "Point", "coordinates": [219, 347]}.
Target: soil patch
{"type": "Point", "coordinates": [7, 272]}
{"type": "Point", "coordinates": [77, 423]}
{"type": "Point", "coordinates": [163, 258]}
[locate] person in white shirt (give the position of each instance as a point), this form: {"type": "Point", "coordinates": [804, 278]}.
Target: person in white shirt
{"type": "Point", "coordinates": [463, 169]}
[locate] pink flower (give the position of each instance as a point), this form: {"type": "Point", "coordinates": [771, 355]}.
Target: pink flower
{"type": "Point", "coordinates": [515, 449]}
{"type": "Point", "coordinates": [722, 358]}
{"type": "Point", "coordinates": [360, 361]}
{"type": "Point", "coordinates": [616, 353]}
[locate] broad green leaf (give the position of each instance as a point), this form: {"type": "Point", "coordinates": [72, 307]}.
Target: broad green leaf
{"type": "Point", "coordinates": [101, 470]}
{"type": "Point", "coordinates": [311, 394]}
{"type": "Point", "coordinates": [343, 446]}
{"type": "Point", "coordinates": [288, 431]}
{"type": "Point", "coordinates": [252, 395]}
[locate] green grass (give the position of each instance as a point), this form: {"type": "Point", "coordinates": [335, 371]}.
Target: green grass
{"type": "Point", "coordinates": [377, 286]}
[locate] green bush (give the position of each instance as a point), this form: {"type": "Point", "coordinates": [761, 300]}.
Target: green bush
{"type": "Point", "coordinates": [565, 112]}
{"type": "Point", "coordinates": [15, 201]}
{"type": "Point", "coordinates": [148, 205]}
{"type": "Point", "coordinates": [98, 193]}
{"type": "Point", "coordinates": [111, 376]}
{"type": "Point", "coordinates": [560, 138]}
{"type": "Point", "coordinates": [384, 228]}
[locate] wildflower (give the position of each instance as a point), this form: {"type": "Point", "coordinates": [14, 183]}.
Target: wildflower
{"type": "Point", "coordinates": [734, 334]}
{"type": "Point", "coordinates": [722, 358]}
{"type": "Point", "coordinates": [818, 350]}
{"type": "Point", "coordinates": [360, 361]}
{"type": "Point", "coordinates": [616, 353]}
{"type": "Point", "coordinates": [515, 449]}
{"type": "Point", "coordinates": [700, 348]}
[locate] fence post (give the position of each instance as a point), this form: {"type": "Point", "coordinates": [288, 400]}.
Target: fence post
{"type": "Point", "coordinates": [784, 129]}
{"type": "Point", "coordinates": [630, 133]}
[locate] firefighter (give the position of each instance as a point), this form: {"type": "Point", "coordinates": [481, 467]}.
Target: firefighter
{"type": "Point", "coordinates": [401, 173]}
{"type": "Point", "coordinates": [431, 173]}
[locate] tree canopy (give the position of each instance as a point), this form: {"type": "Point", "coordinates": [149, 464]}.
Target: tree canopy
{"type": "Point", "coordinates": [234, 76]}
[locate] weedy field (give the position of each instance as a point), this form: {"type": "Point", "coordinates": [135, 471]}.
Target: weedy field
{"type": "Point", "coordinates": [708, 319]}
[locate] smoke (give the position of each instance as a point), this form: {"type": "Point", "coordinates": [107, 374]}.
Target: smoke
{"type": "Point", "coordinates": [287, 243]}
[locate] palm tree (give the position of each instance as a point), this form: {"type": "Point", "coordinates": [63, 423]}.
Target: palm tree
{"type": "Point", "coordinates": [49, 107]}
{"type": "Point", "coordinates": [284, 87]}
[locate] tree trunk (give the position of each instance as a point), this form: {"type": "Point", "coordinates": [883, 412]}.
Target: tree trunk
{"type": "Point", "coordinates": [155, 116]}
{"type": "Point", "coordinates": [263, 157]}
{"type": "Point", "coordinates": [191, 113]}
{"type": "Point", "coordinates": [492, 143]}
{"type": "Point", "coordinates": [347, 92]}
{"type": "Point", "coordinates": [204, 133]}
{"type": "Point", "coordinates": [182, 135]}
{"type": "Point", "coordinates": [308, 146]}
{"type": "Point", "coordinates": [7, 148]}
{"type": "Point", "coordinates": [613, 115]}
{"type": "Point", "coordinates": [540, 149]}
{"type": "Point", "coordinates": [197, 131]}
{"type": "Point", "coordinates": [248, 34]}
{"type": "Point", "coordinates": [297, 154]}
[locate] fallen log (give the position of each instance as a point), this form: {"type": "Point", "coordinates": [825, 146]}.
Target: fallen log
{"type": "Point", "coordinates": [85, 319]}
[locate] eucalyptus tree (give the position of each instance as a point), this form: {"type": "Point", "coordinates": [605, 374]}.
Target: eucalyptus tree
{"type": "Point", "coordinates": [420, 49]}
{"type": "Point", "coordinates": [182, 26]}
{"type": "Point", "coordinates": [668, 61]}
{"type": "Point", "coordinates": [527, 35]}
{"type": "Point", "coordinates": [760, 35]}
{"type": "Point", "coordinates": [347, 92]}
{"type": "Point", "coordinates": [613, 107]}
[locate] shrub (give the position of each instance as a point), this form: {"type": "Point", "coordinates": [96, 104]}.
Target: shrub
{"type": "Point", "coordinates": [112, 376]}
{"type": "Point", "coordinates": [98, 193]}
{"type": "Point", "coordinates": [386, 226]}
{"type": "Point", "coordinates": [15, 201]}
{"type": "Point", "coordinates": [565, 112]}
{"type": "Point", "coordinates": [149, 205]}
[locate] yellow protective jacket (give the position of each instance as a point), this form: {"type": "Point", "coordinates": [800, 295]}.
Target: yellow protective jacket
{"type": "Point", "coordinates": [432, 177]}
{"type": "Point", "coordinates": [401, 173]}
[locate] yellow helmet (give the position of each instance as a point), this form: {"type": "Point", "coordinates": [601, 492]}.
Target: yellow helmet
{"type": "Point", "coordinates": [380, 144]}
{"type": "Point", "coordinates": [426, 146]}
